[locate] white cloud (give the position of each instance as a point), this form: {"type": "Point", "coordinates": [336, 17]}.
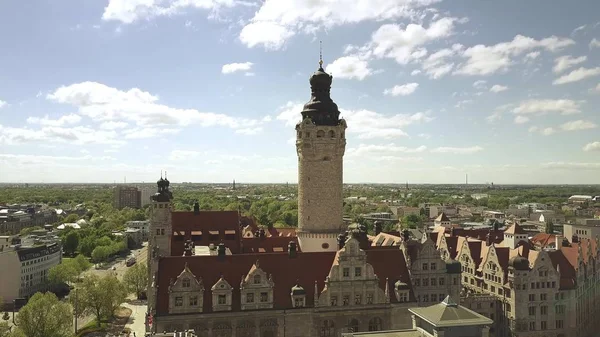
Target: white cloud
{"type": "Point", "coordinates": [578, 29]}
{"type": "Point", "coordinates": [577, 75]}
{"type": "Point", "coordinates": [78, 135]}
{"type": "Point", "coordinates": [2, 104]}
{"type": "Point", "coordinates": [541, 106]}
{"type": "Point", "coordinates": [129, 11]}
{"type": "Point", "coordinates": [458, 150]}
{"type": "Point", "coordinates": [249, 131]}
{"type": "Point", "coordinates": [148, 132]}
{"type": "Point", "coordinates": [365, 124]}
{"type": "Point", "coordinates": [62, 121]}
{"type": "Point", "coordinates": [533, 129]}
{"type": "Point", "coordinates": [415, 72]}
{"type": "Point", "coordinates": [532, 55]}
{"type": "Point", "coordinates": [461, 104]}
{"type": "Point", "coordinates": [486, 60]}
{"type": "Point", "coordinates": [406, 44]}
{"type": "Point", "coordinates": [521, 120]}
{"type": "Point", "coordinates": [349, 67]}
{"type": "Point", "coordinates": [177, 155]}
{"type": "Point", "coordinates": [498, 88]}
{"type": "Point", "coordinates": [480, 84]}
{"type": "Point", "coordinates": [596, 89]}
{"type": "Point", "coordinates": [235, 67]}
{"type": "Point", "coordinates": [594, 43]}
{"type": "Point", "coordinates": [402, 90]}
{"type": "Point", "coordinates": [563, 63]}
{"type": "Point", "coordinates": [571, 166]}
{"type": "Point", "coordinates": [437, 64]}
{"type": "Point", "coordinates": [548, 131]}
{"type": "Point", "coordinates": [276, 21]}
{"type": "Point", "coordinates": [424, 135]}
{"type": "Point", "coordinates": [41, 160]}
{"type": "Point", "coordinates": [112, 125]}
{"type": "Point", "coordinates": [578, 125]}
{"type": "Point", "coordinates": [595, 146]}
{"type": "Point", "coordinates": [106, 104]}
{"type": "Point", "coordinates": [379, 150]}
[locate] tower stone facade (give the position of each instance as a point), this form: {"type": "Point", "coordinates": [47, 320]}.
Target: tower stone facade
{"type": "Point", "coordinates": [320, 144]}
{"type": "Point", "coordinates": [160, 232]}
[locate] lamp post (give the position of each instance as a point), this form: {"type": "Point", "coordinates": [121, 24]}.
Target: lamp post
{"type": "Point", "coordinates": [13, 317]}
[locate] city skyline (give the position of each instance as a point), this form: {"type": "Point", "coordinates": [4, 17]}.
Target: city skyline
{"type": "Point", "coordinates": [211, 90]}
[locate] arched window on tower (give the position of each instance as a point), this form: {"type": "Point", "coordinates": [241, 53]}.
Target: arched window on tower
{"type": "Point", "coordinates": [331, 134]}
{"type": "Point", "coordinates": [320, 134]}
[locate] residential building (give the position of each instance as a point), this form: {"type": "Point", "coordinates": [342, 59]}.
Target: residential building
{"type": "Point", "coordinates": [445, 319]}
{"type": "Point", "coordinates": [581, 231]}
{"type": "Point", "coordinates": [25, 268]}
{"type": "Point", "coordinates": [580, 199]}
{"type": "Point", "coordinates": [126, 196]}
{"type": "Point", "coordinates": [143, 226]}
{"type": "Point", "coordinates": [145, 196]}
{"type": "Point", "coordinates": [442, 220]}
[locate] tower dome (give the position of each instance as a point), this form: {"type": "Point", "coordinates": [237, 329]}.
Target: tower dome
{"type": "Point", "coordinates": [321, 109]}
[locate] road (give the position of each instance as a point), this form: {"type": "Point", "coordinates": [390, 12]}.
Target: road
{"type": "Point", "coordinates": [120, 269]}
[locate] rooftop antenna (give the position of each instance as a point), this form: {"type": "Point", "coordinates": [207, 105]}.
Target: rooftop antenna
{"type": "Point", "coordinates": [321, 54]}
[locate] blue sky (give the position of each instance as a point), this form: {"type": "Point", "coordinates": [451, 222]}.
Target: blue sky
{"type": "Point", "coordinates": [210, 90]}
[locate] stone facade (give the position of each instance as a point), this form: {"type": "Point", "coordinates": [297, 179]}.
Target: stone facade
{"type": "Point", "coordinates": [320, 181]}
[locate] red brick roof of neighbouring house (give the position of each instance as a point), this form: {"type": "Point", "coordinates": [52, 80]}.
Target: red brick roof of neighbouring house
{"type": "Point", "coordinates": [304, 269]}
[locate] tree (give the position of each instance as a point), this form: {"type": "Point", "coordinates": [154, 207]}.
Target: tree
{"type": "Point", "coordinates": [71, 242]}
{"type": "Point", "coordinates": [100, 254]}
{"type": "Point", "coordinates": [63, 273]}
{"type": "Point", "coordinates": [71, 218]}
{"type": "Point", "coordinates": [411, 220]}
{"type": "Point", "coordinates": [81, 263]}
{"type": "Point", "coordinates": [45, 316]}
{"type": "Point", "coordinates": [28, 230]}
{"type": "Point", "coordinates": [549, 227]}
{"type": "Point", "coordinates": [136, 279]}
{"type": "Point", "coordinates": [100, 296]}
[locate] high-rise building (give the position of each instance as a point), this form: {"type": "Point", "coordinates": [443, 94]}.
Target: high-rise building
{"type": "Point", "coordinates": [126, 196]}
{"type": "Point", "coordinates": [320, 144]}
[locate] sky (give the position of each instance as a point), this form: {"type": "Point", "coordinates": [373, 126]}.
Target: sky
{"type": "Point", "coordinates": [210, 90]}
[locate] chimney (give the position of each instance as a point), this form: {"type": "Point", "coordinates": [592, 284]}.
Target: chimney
{"type": "Point", "coordinates": [196, 208]}
{"type": "Point", "coordinates": [221, 251]}
{"type": "Point", "coordinates": [292, 249]}
{"type": "Point", "coordinates": [378, 227]}
{"type": "Point", "coordinates": [341, 241]}
{"type": "Point", "coordinates": [558, 242]}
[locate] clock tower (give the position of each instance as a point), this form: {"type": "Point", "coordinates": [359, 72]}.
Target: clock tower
{"type": "Point", "coordinates": [160, 232]}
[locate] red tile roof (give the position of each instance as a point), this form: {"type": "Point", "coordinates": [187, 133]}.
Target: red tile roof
{"type": "Point", "coordinates": [305, 268]}
{"type": "Point", "coordinates": [543, 239]}
{"type": "Point", "coordinates": [205, 221]}
{"type": "Point", "coordinates": [268, 244]}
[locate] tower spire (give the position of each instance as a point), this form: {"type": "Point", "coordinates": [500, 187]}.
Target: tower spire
{"type": "Point", "coordinates": [160, 174]}
{"type": "Point", "coordinates": [320, 54]}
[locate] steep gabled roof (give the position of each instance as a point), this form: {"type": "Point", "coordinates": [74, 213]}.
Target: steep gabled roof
{"type": "Point", "coordinates": [515, 229]}
{"type": "Point", "coordinates": [443, 218]}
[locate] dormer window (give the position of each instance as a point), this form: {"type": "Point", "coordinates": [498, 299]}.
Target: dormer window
{"type": "Point", "coordinates": [298, 302]}
{"type": "Point", "coordinates": [223, 299]}
{"type": "Point", "coordinates": [186, 293]}
{"type": "Point", "coordinates": [256, 279]}
{"type": "Point", "coordinates": [185, 283]}
{"type": "Point", "coordinates": [221, 295]}
{"type": "Point", "coordinates": [256, 289]}
{"type": "Point", "coordinates": [357, 271]}
{"type": "Point", "coordinates": [250, 298]}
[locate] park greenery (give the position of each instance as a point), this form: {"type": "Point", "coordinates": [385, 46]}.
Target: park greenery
{"type": "Point", "coordinates": [99, 297]}
{"type": "Point", "coordinates": [44, 315]}
{"type": "Point", "coordinates": [68, 271]}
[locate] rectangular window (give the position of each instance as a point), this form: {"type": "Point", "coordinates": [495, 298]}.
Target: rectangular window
{"type": "Point", "coordinates": [346, 272]}
{"type": "Point", "coordinates": [455, 281]}
{"type": "Point", "coordinates": [186, 283]}
{"type": "Point", "coordinates": [425, 282]}
{"type": "Point", "coordinates": [433, 266]}
{"type": "Point", "coordinates": [544, 310]}
{"type": "Point", "coordinates": [543, 297]}
{"type": "Point", "coordinates": [543, 325]}
{"type": "Point", "coordinates": [433, 298]}
{"type": "Point", "coordinates": [417, 282]}
{"type": "Point", "coordinates": [425, 265]}
{"type": "Point", "coordinates": [333, 300]}
{"type": "Point", "coordinates": [531, 311]}
{"type": "Point", "coordinates": [357, 299]}
{"type": "Point", "coordinates": [357, 271]}
{"type": "Point", "coordinates": [193, 301]}
{"type": "Point", "coordinates": [158, 232]}
{"type": "Point", "coordinates": [249, 298]}
{"type": "Point", "coordinates": [559, 324]}
{"type": "Point", "coordinates": [442, 281]}
{"type": "Point", "coordinates": [370, 298]}
{"type": "Point", "coordinates": [531, 297]}
{"type": "Point", "coordinates": [264, 297]}
{"type": "Point", "coordinates": [346, 300]}
{"type": "Point", "coordinates": [433, 282]}
{"type": "Point", "coordinates": [178, 301]}
{"type": "Point", "coordinates": [222, 299]}
{"type": "Point", "coordinates": [532, 326]}
{"type": "Point", "coordinates": [298, 302]}
{"type": "Point", "coordinates": [425, 298]}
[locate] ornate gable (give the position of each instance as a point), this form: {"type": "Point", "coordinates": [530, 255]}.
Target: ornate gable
{"type": "Point", "coordinates": [186, 293]}
{"type": "Point", "coordinates": [351, 280]}
{"type": "Point", "coordinates": [256, 289]}
{"type": "Point", "coordinates": [221, 295]}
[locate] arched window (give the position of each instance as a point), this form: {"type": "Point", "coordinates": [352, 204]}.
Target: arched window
{"type": "Point", "coordinates": [221, 329]}
{"type": "Point", "coordinates": [331, 134]}
{"type": "Point", "coordinates": [327, 328]}
{"type": "Point", "coordinates": [245, 329]}
{"type": "Point", "coordinates": [320, 134]}
{"type": "Point", "coordinates": [256, 279]}
{"type": "Point", "coordinates": [375, 324]}
{"type": "Point", "coordinates": [353, 325]}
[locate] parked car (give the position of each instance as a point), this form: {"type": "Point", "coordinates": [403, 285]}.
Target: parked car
{"type": "Point", "coordinates": [130, 262]}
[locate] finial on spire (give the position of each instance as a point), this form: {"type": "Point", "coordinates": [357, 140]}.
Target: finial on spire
{"type": "Point", "coordinates": [320, 54]}
{"type": "Point", "coordinates": [160, 174]}
{"type": "Point", "coordinates": [165, 174]}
